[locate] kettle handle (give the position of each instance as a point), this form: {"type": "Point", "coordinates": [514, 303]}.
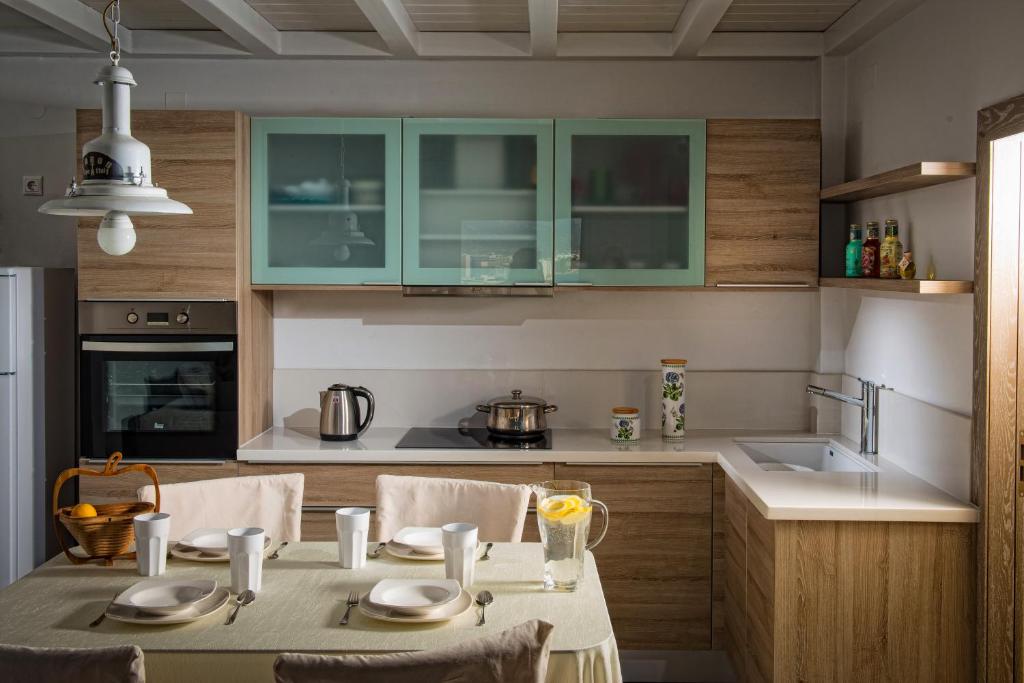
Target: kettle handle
{"type": "Point", "coordinates": [365, 393]}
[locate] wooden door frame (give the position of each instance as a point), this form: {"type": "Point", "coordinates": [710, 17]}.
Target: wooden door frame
{"type": "Point", "coordinates": [995, 445]}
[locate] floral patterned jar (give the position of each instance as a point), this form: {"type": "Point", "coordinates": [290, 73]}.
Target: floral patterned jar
{"type": "Point", "coordinates": [625, 423]}
{"type": "Point", "coordinates": [673, 398]}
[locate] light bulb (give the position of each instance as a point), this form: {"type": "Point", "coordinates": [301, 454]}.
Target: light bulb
{"type": "Point", "coordinates": [116, 234]}
{"type": "Point", "coordinates": [342, 253]}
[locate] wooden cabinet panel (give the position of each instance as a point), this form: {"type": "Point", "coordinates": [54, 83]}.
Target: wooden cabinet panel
{"type": "Point", "coordinates": [123, 487]}
{"type": "Point", "coordinates": [176, 257]}
{"type": "Point", "coordinates": [356, 484]}
{"type": "Point", "coordinates": [718, 527]}
{"type": "Point", "coordinates": [735, 576]}
{"type": "Point", "coordinates": [763, 181]}
{"type": "Point", "coordinates": [759, 656]}
{"type": "Point", "coordinates": [655, 562]}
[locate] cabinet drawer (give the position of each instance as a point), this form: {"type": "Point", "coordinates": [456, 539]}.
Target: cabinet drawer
{"type": "Point", "coordinates": [641, 488]}
{"type": "Point", "coordinates": [123, 487]}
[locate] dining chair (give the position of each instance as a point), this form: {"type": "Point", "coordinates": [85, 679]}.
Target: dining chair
{"type": "Point", "coordinates": [518, 655]}
{"type": "Point", "coordinates": [272, 502]}
{"type": "Point", "coordinates": [20, 664]}
{"type": "Point", "coordinates": [498, 510]}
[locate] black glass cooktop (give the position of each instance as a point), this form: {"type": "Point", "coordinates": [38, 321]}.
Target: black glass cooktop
{"type": "Point", "coordinates": [472, 438]}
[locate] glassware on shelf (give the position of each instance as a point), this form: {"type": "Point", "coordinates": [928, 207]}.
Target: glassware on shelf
{"type": "Point", "coordinates": [854, 249]}
{"type": "Point", "coordinates": [870, 255]}
{"type": "Point", "coordinates": [891, 252]}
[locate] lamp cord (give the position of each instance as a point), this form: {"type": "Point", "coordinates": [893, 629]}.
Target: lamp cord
{"type": "Point", "coordinates": [113, 9]}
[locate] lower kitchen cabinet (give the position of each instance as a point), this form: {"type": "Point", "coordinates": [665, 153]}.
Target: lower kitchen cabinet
{"type": "Point", "coordinates": [847, 601]}
{"type": "Point", "coordinates": [123, 487]}
{"type": "Point", "coordinates": [655, 563]}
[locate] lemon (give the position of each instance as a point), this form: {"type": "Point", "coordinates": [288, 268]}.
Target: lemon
{"type": "Point", "coordinates": [564, 509]}
{"type": "Point", "coordinates": [83, 510]}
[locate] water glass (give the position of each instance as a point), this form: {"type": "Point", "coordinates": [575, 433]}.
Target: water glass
{"type": "Point", "coordinates": [152, 530]}
{"type": "Point", "coordinates": [245, 550]}
{"type": "Point", "coordinates": [564, 512]}
{"type": "Point", "coordinates": [459, 540]}
{"type": "Point", "coordinates": [353, 526]}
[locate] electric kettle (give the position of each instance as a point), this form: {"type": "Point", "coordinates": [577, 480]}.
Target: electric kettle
{"type": "Point", "coordinates": [339, 412]}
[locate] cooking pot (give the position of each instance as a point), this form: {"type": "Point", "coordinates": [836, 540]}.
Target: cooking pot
{"type": "Point", "coordinates": [517, 415]}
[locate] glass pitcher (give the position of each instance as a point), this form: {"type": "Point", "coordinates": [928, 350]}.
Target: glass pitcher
{"type": "Point", "coordinates": [564, 511]}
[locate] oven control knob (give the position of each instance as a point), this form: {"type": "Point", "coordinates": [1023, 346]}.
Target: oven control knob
{"type": "Point", "coordinates": [132, 317]}
{"type": "Point", "coordinates": [182, 318]}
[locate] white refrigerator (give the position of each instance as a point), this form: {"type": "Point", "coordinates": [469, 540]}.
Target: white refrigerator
{"type": "Point", "coordinates": [37, 409]}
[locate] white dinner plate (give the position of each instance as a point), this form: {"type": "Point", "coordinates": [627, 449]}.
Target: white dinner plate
{"type": "Point", "coordinates": [404, 552]}
{"type": "Point", "coordinates": [414, 596]}
{"type": "Point", "coordinates": [423, 539]}
{"type": "Point", "coordinates": [186, 552]}
{"type": "Point", "coordinates": [204, 607]}
{"type": "Point", "coordinates": [166, 596]}
{"type": "Point", "coordinates": [207, 540]}
{"type": "Point", "coordinates": [443, 613]}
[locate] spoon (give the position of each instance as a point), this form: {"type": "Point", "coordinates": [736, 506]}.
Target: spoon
{"type": "Point", "coordinates": [483, 598]}
{"type": "Point", "coordinates": [244, 598]}
{"type": "Point", "coordinates": [487, 551]}
{"type": "Point", "coordinates": [276, 553]}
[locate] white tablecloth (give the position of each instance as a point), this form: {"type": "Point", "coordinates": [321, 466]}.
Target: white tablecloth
{"type": "Point", "coordinates": [298, 609]}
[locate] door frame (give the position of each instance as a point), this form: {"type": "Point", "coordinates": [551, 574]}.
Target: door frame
{"type": "Point", "coordinates": [996, 463]}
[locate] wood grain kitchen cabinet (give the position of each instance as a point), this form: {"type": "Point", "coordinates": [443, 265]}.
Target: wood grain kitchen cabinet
{"type": "Point", "coordinates": [763, 182]}
{"type": "Point", "coordinates": [847, 601]}
{"type": "Point", "coordinates": [326, 201]}
{"type": "Point", "coordinates": [629, 202]}
{"type": "Point", "coordinates": [123, 487]}
{"type": "Point", "coordinates": [656, 561]}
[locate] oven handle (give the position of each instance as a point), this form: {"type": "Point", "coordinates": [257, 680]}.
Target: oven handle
{"type": "Point", "coordinates": [157, 347]}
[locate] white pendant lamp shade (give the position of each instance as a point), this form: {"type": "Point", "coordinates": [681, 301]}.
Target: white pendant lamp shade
{"type": "Point", "coordinates": [117, 177]}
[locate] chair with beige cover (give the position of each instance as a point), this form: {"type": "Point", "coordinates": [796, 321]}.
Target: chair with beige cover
{"type": "Point", "coordinates": [518, 655]}
{"type": "Point", "coordinates": [271, 502]}
{"type": "Point", "coordinates": [123, 664]}
{"type": "Point", "coordinates": [498, 510]}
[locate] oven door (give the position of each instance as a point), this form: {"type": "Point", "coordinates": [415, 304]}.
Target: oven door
{"type": "Point", "coordinates": [159, 396]}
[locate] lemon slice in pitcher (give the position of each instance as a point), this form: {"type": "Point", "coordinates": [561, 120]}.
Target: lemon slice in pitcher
{"type": "Point", "coordinates": [564, 509]}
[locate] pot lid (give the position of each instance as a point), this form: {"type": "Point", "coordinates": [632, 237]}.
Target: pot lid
{"type": "Point", "coordinates": [517, 400]}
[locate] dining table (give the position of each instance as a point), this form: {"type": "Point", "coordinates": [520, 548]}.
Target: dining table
{"type": "Point", "coordinates": [298, 608]}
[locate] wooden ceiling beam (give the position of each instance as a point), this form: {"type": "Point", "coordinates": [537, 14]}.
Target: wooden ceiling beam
{"type": "Point", "coordinates": [241, 22]}
{"type": "Point", "coordinates": [543, 28]}
{"type": "Point", "coordinates": [390, 19]}
{"type": "Point", "coordinates": [862, 22]}
{"type": "Point", "coordinates": [74, 19]}
{"type": "Point", "coordinates": [696, 24]}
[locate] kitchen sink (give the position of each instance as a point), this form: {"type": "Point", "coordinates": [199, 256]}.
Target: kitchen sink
{"type": "Point", "coordinates": [803, 456]}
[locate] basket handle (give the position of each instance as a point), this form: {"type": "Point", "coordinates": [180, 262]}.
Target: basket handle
{"type": "Point", "coordinates": [110, 469]}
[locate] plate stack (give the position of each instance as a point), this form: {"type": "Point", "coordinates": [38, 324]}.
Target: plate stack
{"type": "Point", "coordinates": [415, 601]}
{"type": "Point", "coordinates": [168, 601]}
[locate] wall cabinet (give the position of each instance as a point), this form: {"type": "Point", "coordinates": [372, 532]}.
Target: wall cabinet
{"type": "Point", "coordinates": [477, 202]}
{"type": "Point", "coordinates": [326, 201]}
{"type": "Point", "coordinates": [629, 202]}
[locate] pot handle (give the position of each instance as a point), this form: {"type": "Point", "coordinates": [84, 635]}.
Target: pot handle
{"type": "Point", "coordinates": [481, 408]}
{"type": "Point", "coordinates": [365, 393]}
{"type": "Point", "coordinates": [550, 408]}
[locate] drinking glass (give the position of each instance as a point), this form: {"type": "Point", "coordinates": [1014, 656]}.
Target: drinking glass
{"type": "Point", "coordinates": [459, 540]}
{"type": "Point", "coordinates": [353, 526]}
{"type": "Point", "coordinates": [152, 530]}
{"type": "Point", "coordinates": [564, 511]}
{"type": "Point", "coordinates": [245, 552]}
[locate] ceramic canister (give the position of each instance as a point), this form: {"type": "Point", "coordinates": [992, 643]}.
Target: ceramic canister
{"type": "Point", "coordinates": [673, 398]}
{"type": "Point", "coordinates": [625, 424]}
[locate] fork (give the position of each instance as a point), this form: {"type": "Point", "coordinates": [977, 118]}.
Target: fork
{"type": "Point", "coordinates": [99, 620]}
{"type": "Point", "coordinates": [353, 600]}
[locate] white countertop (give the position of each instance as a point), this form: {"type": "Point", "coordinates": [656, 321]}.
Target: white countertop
{"type": "Point", "coordinates": [890, 494]}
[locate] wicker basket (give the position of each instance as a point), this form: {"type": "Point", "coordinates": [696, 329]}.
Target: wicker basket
{"type": "Point", "coordinates": [109, 534]}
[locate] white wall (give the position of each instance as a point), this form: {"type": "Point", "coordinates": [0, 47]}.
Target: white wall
{"type": "Point", "coordinates": [912, 94]}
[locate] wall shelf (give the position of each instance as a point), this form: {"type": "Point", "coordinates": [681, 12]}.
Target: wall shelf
{"type": "Point", "coordinates": [912, 286]}
{"type": "Point", "coordinates": [912, 177]}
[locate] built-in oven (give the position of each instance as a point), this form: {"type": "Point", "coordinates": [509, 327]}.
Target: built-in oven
{"type": "Point", "coordinates": [158, 379]}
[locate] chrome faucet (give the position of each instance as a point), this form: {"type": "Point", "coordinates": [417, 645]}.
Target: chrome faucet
{"type": "Point", "coordinates": [868, 404]}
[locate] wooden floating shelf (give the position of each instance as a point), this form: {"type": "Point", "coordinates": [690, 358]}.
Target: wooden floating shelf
{"type": "Point", "coordinates": [912, 177]}
{"type": "Point", "coordinates": [912, 286]}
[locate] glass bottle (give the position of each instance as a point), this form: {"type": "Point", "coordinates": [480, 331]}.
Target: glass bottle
{"type": "Point", "coordinates": [869, 252]}
{"type": "Point", "coordinates": [891, 252]}
{"type": "Point", "coordinates": [853, 251]}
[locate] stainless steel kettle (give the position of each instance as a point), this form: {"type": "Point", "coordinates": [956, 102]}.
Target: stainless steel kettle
{"type": "Point", "coordinates": [339, 412]}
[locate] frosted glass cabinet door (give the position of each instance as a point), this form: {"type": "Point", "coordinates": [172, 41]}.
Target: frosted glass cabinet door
{"type": "Point", "coordinates": [326, 201]}
{"type": "Point", "coordinates": [629, 202]}
{"type": "Point", "coordinates": [478, 202]}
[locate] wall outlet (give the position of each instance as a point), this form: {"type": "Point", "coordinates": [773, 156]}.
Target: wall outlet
{"type": "Point", "coordinates": [32, 185]}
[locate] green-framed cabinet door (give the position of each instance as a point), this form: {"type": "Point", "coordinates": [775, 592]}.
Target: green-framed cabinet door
{"type": "Point", "coordinates": [326, 201]}
{"type": "Point", "coordinates": [478, 202]}
{"type": "Point", "coordinates": [629, 202]}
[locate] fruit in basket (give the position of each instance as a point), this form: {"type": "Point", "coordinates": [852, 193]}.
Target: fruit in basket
{"type": "Point", "coordinates": [83, 510]}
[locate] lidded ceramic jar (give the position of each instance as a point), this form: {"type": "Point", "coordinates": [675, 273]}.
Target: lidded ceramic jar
{"type": "Point", "coordinates": [625, 423]}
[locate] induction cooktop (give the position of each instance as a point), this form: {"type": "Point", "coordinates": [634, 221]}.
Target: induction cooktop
{"type": "Point", "coordinates": [469, 438]}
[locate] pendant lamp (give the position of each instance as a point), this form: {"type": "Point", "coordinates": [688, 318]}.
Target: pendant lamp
{"type": "Point", "coordinates": [117, 178]}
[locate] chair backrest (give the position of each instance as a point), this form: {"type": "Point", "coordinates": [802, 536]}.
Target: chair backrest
{"type": "Point", "coordinates": [272, 502]}
{"type": "Point", "coordinates": [20, 664]}
{"type": "Point", "coordinates": [498, 510]}
{"type": "Point", "coordinates": [518, 655]}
